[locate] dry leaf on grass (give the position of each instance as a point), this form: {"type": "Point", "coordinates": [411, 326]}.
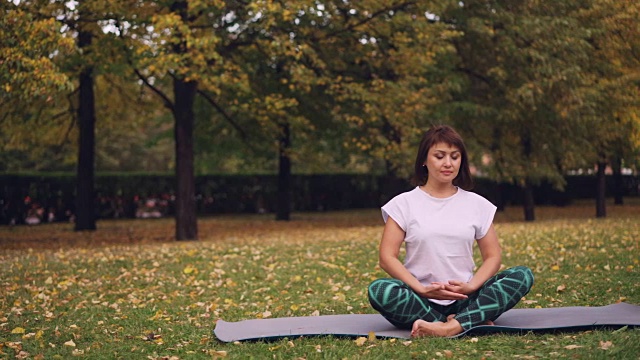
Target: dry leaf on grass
{"type": "Point", "coordinates": [605, 345]}
{"type": "Point", "coordinates": [572, 347]}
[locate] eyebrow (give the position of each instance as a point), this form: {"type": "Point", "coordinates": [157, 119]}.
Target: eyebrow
{"type": "Point", "coordinates": [444, 151]}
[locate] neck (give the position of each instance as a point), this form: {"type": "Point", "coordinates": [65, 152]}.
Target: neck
{"type": "Point", "coordinates": [439, 190]}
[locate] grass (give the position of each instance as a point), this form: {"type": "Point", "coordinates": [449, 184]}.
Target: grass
{"type": "Point", "coordinates": [128, 291]}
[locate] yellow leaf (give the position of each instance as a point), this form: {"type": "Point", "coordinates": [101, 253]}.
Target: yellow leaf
{"type": "Point", "coordinates": [360, 341]}
{"type": "Point", "coordinates": [70, 343]}
{"type": "Point", "coordinates": [372, 336]}
{"type": "Point", "coordinates": [188, 270]}
{"type": "Point", "coordinates": [18, 330]}
{"type": "Point", "coordinates": [555, 268]}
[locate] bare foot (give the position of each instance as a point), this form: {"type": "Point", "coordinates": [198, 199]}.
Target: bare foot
{"type": "Point", "coordinates": [442, 329]}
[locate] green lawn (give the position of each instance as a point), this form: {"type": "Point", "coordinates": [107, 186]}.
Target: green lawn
{"type": "Point", "coordinates": [127, 291]}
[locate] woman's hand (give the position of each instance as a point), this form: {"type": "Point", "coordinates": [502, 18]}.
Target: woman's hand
{"type": "Point", "coordinates": [439, 291]}
{"type": "Point", "coordinates": [459, 287]}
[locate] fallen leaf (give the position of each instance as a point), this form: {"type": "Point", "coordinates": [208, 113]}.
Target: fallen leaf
{"type": "Point", "coordinates": [561, 288]}
{"type": "Point", "coordinates": [70, 343]}
{"type": "Point", "coordinates": [217, 354]}
{"type": "Point", "coordinates": [77, 352]}
{"type": "Point", "coordinates": [360, 341]}
{"type": "Point", "coordinates": [17, 330]}
{"type": "Point", "coordinates": [371, 336]}
{"type": "Point", "coordinates": [605, 345]}
{"type": "Point", "coordinates": [448, 353]}
{"type": "Point", "coordinates": [571, 347]}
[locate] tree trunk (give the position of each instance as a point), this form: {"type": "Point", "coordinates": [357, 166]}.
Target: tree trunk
{"type": "Point", "coordinates": [283, 207]}
{"type": "Point", "coordinates": [85, 212]}
{"type": "Point", "coordinates": [528, 202]}
{"type": "Point", "coordinates": [618, 185]}
{"type": "Point", "coordinates": [601, 206]}
{"type": "Point", "coordinates": [186, 217]}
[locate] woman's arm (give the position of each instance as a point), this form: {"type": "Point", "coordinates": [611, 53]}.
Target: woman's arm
{"type": "Point", "coordinates": [392, 238]}
{"type": "Point", "coordinates": [491, 260]}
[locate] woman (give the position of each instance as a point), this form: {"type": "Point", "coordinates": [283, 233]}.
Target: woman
{"type": "Point", "coordinates": [435, 291]}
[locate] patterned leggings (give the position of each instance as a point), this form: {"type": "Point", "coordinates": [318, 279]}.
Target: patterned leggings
{"type": "Point", "coordinates": [401, 306]}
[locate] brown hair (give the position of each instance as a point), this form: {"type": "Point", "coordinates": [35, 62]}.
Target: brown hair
{"type": "Point", "coordinates": [442, 134]}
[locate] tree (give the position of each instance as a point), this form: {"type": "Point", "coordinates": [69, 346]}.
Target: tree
{"type": "Point", "coordinates": [85, 191]}
{"type": "Point", "coordinates": [610, 105]}
{"type": "Point", "coordinates": [32, 81]}
{"type": "Point", "coordinates": [189, 43]}
{"type": "Point", "coordinates": [521, 64]}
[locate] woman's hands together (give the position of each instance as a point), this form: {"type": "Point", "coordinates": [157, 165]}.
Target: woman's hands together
{"type": "Point", "coordinates": [453, 290]}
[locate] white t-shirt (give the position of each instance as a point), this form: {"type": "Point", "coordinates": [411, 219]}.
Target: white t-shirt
{"type": "Point", "coordinates": [439, 233]}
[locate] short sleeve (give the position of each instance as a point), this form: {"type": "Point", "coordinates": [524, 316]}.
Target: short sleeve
{"type": "Point", "coordinates": [396, 211]}
{"type": "Point", "coordinates": [486, 211]}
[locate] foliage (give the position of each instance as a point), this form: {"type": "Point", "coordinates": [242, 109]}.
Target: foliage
{"type": "Point", "coordinates": [537, 88]}
{"type": "Point", "coordinates": [29, 47]}
{"type": "Point", "coordinates": [521, 64]}
{"type": "Point", "coordinates": [611, 104]}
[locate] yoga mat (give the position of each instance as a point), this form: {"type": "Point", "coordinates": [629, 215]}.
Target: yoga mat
{"type": "Point", "coordinates": [563, 319]}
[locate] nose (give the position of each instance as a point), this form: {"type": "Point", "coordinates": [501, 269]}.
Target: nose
{"type": "Point", "coordinates": [447, 161]}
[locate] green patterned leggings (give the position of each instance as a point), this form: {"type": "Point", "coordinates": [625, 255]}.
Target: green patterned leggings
{"type": "Point", "coordinates": [401, 306]}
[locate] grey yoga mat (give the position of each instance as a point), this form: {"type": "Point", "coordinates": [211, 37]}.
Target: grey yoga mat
{"type": "Point", "coordinates": [574, 318]}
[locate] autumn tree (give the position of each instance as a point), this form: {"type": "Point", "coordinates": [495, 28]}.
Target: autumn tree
{"type": "Point", "coordinates": [522, 65]}
{"type": "Point", "coordinates": [32, 81]}
{"type": "Point", "coordinates": [609, 106]}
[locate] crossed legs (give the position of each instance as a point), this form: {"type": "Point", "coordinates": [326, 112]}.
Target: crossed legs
{"type": "Point", "coordinates": [405, 309]}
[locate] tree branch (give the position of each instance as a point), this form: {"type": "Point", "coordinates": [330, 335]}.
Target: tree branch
{"type": "Point", "coordinates": [224, 114]}
{"type": "Point", "coordinates": [474, 74]}
{"type": "Point", "coordinates": [368, 19]}
{"type": "Point", "coordinates": [165, 99]}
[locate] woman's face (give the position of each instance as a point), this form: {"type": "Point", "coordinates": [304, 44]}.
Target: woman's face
{"type": "Point", "coordinates": [443, 162]}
